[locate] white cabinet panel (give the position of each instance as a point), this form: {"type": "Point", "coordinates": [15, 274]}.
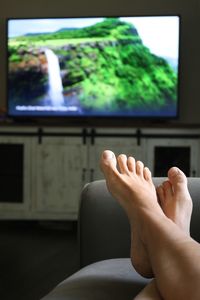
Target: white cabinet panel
{"type": "Point", "coordinates": [59, 175]}
{"type": "Point", "coordinates": [180, 152]}
{"type": "Point", "coordinates": [57, 162]}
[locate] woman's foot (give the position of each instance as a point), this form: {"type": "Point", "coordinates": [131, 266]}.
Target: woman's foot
{"type": "Point", "coordinates": [131, 184]}
{"type": "Point", "coordinates": [175, 199]}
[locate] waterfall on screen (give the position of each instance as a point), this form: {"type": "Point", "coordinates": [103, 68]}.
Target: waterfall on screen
{"type": "Point", "coordinates": [55, 82]}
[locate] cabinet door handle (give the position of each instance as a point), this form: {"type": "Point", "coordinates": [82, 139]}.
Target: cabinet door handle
{"type": "Point", "coordinates": [91, 174]}
{"type": "Point", "coordinates": [83, 174]}
{"type": "Point", "coordinates": [193, 173]}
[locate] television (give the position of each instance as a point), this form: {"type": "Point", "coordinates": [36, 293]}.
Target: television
{"type": "Point", "coordinates": [118, 66]}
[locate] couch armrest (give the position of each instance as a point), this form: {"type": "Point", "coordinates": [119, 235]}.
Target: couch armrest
{"type": "Point", "coordinates": [103, 226]}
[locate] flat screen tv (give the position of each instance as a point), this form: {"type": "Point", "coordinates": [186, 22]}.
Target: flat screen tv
{"type": "Point", "coordinates": [124, 66]}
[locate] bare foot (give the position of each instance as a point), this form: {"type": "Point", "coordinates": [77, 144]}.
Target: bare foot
{"type": "Point", "coordinates": [132, 186]}
{"type": "Point", "coordinates": [175, 199]}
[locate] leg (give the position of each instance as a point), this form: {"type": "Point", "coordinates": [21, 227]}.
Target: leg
{"type": "Point", "coordinates": [138, 253]}
{"type": "Point", "coordinates": [175, 201]}
{"type": "Point", "coordinates": [139, 256]}
{"type": "Point", "coordinates": [163, 239]}
{"type": "Point", "coordinates": [150, 292]}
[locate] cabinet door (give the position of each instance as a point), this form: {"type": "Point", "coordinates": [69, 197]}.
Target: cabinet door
{"type": "Point", "coordinates": [60, 167]}
{"type": "Point", "coordinates": [165, 153]}
{"type": "Point", "coordinates": [120, 145]}
{"type": "Point", "coordinates": [14, 176]}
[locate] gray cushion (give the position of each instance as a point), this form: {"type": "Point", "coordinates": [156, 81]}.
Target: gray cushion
{"type": "Point", "coordinates": [104, 236]}
{"type": "Point", "coordinates": [103, 222]}
{"type": "Point", "coordinates": [104, 280]}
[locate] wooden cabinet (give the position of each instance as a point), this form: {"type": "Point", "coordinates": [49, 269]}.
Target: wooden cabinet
{"type": "Point", "coordinates": [58, 176]}
{"type": "Point", "coordinates": [43, 171]}
{"type": "Point", "coordinates": [180, 149]}
{"type": "Point", "coordinates": [164, 154]}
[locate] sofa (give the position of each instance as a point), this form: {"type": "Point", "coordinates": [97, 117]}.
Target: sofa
{"type": "Point", "coordinates": [105, 271]}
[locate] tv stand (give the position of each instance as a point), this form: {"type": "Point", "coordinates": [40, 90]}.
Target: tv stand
{"type": "Point", "coordinates": [44, 168]}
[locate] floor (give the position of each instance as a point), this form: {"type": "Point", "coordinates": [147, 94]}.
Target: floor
{"type": "Point", "coordinates": [34, 257]}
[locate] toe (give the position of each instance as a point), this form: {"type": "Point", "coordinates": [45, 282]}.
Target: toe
{"type": "Point", "coordinates": [147, 174]}
{"type": "Point", "coordinates": [160, 193]}
{"type": "Point", "coordinates": [178, 181]}
{"type": "Point", "coordinates": [168, 191]}
{"type": "Point", "coordinates": [108, 161]}
{"type": "Point", "coordinates": [131, 163]}
{"type": "Point", "coordinates": [139, 168]}
{"type": "Point", "coordinates": [108, 156]}
{"type": "Point", "coordinates": [177, 177]}
{"type": "Point", "coordinates": [164, 192]}
{"type": "Point", "coordinates": [122, 163]}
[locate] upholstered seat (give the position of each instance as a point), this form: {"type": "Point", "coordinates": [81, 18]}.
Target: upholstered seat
{"type": "Point", "coordinates": [106, 272]}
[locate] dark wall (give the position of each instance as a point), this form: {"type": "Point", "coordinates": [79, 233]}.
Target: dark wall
{"type": "Point", "coordinates": [189, 48]}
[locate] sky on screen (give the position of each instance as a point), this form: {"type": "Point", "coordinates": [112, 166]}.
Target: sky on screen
{"type": "Point", "coordinates": [159, 34]}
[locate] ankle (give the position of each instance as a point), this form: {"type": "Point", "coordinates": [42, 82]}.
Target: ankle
{"type": "Point", "coordinates": [149, 220]}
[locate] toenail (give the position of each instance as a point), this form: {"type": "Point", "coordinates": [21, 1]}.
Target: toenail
{"type": "Point", "coordinates": [175, 171]}
{"type": "Point", "coordinates": [108, 154]}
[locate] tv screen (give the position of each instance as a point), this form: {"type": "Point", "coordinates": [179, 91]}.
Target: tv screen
{"type": "Point", "coordinates": [93, 66]}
